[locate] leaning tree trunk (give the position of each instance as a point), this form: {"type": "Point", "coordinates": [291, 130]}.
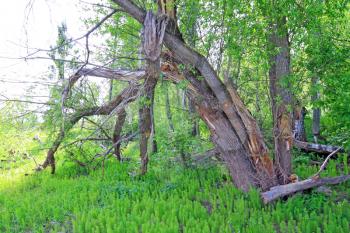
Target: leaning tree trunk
{"type": "Point", "coordinates": [117, 133]}
{"type": "Point", "coordinates": [281, 98]}
{"type": "Point", "coordinates": [233, 129]}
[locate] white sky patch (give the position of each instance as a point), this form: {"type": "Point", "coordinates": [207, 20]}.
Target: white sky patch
{"type": "Point", "coordinates": [27, 25]}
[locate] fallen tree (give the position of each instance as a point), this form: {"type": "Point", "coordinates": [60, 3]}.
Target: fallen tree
{"type": "Point", "coordinates": [233, 129]}
{"type": "Point", "coordinates": [317, 148]}
{"type": "Point", "coordinates": [284, 190]}
{"type": "Point", "coordinates": [312, 182]}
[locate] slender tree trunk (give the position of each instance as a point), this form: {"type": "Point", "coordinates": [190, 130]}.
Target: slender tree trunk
{"type": "Point", "coordinates": [153, 127]}
{"type": "Point", "coordinates": [281, 98]}
{"type": "Point", "coordinates": [168, 108]}
{"type": "Point", "coordinates": [110, 92]}
{"type": "Point", "coordinates": [183, 99]}
{"type": "Point", "coordinates": [195, 123]}
{"type": "Point", "coordinates": [117, 133]}
{"type": "Point", "coordinates": [316, 113]}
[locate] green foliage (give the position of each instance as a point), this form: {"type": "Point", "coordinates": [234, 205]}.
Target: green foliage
{"type": "Point", "coordinates": [167, 199]}
{"type": "Point", "coordinates": [20, 139]}
{"type": "Point", "coordinates": [233, 35]}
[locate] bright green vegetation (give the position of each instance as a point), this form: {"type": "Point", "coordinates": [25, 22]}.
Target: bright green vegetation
{"type": "Point", "coordinates": [103, 195]}
{"type": "Point", "coordinates": [169, 198]}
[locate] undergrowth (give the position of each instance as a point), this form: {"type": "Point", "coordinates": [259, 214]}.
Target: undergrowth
{"type": "Point", "coordinates": [169, 198]}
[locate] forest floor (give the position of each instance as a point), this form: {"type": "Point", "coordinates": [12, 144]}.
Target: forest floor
{"type": "Point", "coordinates": [170, 198]}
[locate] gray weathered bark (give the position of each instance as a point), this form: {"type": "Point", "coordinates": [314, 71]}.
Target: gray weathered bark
{"type": "Point", "coordinates": [299, 123]}
{"type": "Point", "coordinates": [288, 189]}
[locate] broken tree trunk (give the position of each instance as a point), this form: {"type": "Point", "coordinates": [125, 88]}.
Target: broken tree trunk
{"type": "Point", "coordinates": [117, 133]}
{"type": "Point", "coordinates": [234, 130]}
{"type": "Point", "coordinates": [152, 40]}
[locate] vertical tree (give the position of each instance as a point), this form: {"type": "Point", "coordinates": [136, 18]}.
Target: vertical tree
{"type": "Point", "coordinates": [281, 97]}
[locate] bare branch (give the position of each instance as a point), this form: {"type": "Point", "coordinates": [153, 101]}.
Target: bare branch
{"type": "Point", "coordinates": [26, 101]}
{"type": "Point", "coordinates": [317, 175]}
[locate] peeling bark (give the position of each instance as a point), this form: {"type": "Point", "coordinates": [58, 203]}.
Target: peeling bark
{"type": "Point", "coordinates": [153, 34]}
{"type": "Point", "coordinates": [299, 123]}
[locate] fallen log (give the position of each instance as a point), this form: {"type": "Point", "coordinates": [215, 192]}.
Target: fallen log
{"type": "Point", "coordinates": [317, 148]}
{"type": "Point", "coordinates": [213, 155]}
{"type": "Point", "coordinates": [279, 191]}
{"type": "Point", "coordinates": [210, 154]}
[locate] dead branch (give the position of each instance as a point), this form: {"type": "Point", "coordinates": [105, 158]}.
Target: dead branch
{"type": "Point", "coordinates": [25, 101]}
{"type": "Point", "coordinates": [99, 126]}
{"type": "Point", "coordinates": [86, 35]}
{"type": "Point", "coordinates": [121, 75]}
{"type": "Point", "coordinates": [210, 154]}
{"type": "Point", "coordinates": [317, 175]}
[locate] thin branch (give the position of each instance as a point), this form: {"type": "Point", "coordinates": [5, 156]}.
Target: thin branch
{"type": "Point", "coordinates": [317, 175]}
{"type": "Point", "coordinates": [25, 101]}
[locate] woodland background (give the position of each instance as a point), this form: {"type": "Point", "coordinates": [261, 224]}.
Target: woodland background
{"type": "Point", "coordinates": [142, 134]}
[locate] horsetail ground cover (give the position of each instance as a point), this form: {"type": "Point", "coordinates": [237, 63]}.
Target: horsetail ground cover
{"type": "Point", "coordinates": [170, 198]}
